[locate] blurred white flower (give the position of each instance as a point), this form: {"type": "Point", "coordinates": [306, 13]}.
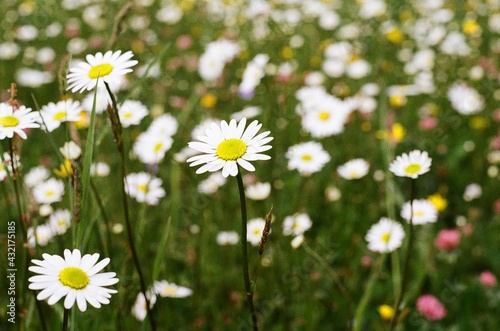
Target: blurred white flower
{"type": "Point", "coordinates": [465, 99]}
{"type": "Point", "coordinates": [472, 191]}
{"type": "Point", "coordinates": [258, 191]}
{"type": "Point", "coordinates": [171, 290]}
{"type": "Point", "coordinates": [420, 211]}
{"type": "Point", "coordinates": [48, 191]}
{"type": "Point", "coordinates": [70, 150]}
{"type": "Point", "coordinates": [307, 158]}
{"type": "Point", "coordinates": [353, 169]}
{"type": "Point", "coordinates": [385, 236]}
{"type": "Point", "coordinates": [255, 228]}
{"type": "Point", "coordinates": [144, 188]}
{"type": "Point", "coordinates": [296, 224]}
{"type": "Point", "coordinates": [225, 238]}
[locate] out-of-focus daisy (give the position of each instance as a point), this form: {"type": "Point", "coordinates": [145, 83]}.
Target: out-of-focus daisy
{"type": "Point", "coordinates": [99, 169]}
{"type": "Point", "coordinates": [258, 191]}
{"type": "Point", "coordinates": [225, 238]}
{"type": "Point", "coordinates": [41, 235]}
{"type": "Point", "coordinates": [140, 310]}
{"type": "Point", "coordinates": [151, 147]}
{"type": "Point", "coordinates": [296, 224]}
{"type": "Point", "coordinates": [171, 290]}
{"type": "Point", "coordinates": [307, 158]}
{"type": "Point", "coordinates": [411, 165]}
{"type": "Point", "coordinates": [385, 236]}
{"type": "Point", "coordinates": [297, 241]}
{"type": "Point", "coordinates": [465, 99]}
{"type": "Point", "coordinates": [35, 176]}
{"type": "Point", "coordinates": [326, 118]}
{"type": "Point", "coordinates": [252, 75]}
{"type": "Point", "coordinates": [144, 188]}
{"type": "Point", "coordinates": [212, 183]}
{"type": "Point", "coordinates": [75, 277]}
{"type": "Point", "coordinates": [60, 221]}
{"type": "Point", "coordinates": [53, 114]}
{"type": "Point", "coordinates": [15, 121]}
{"type": "Point", "coordinates": [70, 150]}
{"type": "Point", "coordinates": [6, 164]}
{"type": "Point", "coordinates": [255, 228]}
{"type": "Point", "coordinates": [49, 191]}
{"type": "Point", "coordinates": [107, 68]}
{"type": "Point", "coordinates": [353, 169]}
{"type": "Point", "coordinates": [247, 112]}
{"type": "Point", "coordinates": [165, 125]}
{"type": "Point", "coordinates": [472, 191]}
{"type": "Point", "coordinates": [131, 112]}
{"type": "Point", "coordinates": [226, 146]}
{"type": "Point", "coordinates": [423, 212]}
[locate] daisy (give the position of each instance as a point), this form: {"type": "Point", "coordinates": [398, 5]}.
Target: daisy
{"type": "Point", "coordinates": [15, 121]}
{"type": "Point", "coordinates": [171, 290]}
{"type": "Point", "coordinates": [35, 176]}
{"type": "Point", "coordinates": [74, 277]}
{"type": "Point", "coordinates": [165, 125]}
{"type": "Point", "coordinates": [49, 191]}
{"type": "Point", "coordinates": [255, 228]}
{"type": "Point", "coordinates": [150, 147]}
{"type": "Point", "coordinates": [144, 188]}
{"type": "Point", "coordinates": [464, 99]}
{"type": "Point", "coordinates": [353, 169]}
{"type": "Point", "coordinates": [258, 191]}
{"type": "Point", "coordinates": [212, 183]}
{"type": "Point", "coordinates": [307, 158]}
{"type": "Point", "coordinates": [423, 212]}
{"type": "Point", "coordinates": [296, 224]}
{"type": "Point", "coordinates": [131, 112]}
{"type": "Point", "coordinates": [227, 146]}
{"type": "Point", "coordinates": [70, 150]}
{"type": "Point", "coordinates": [385, 236]}
{"type": "Point", "coordinates": [108, 68]}
{"type": "Point", "coordinates": [53, 114]}
{"type": "Point", "coordinates": [41, 235]}
{"type": "Point", "coordinates": [99, 169]}
{"type": "Point", "coordinates": [6, 164]}
{"type": "Point", "coordinates": [411, 165]}
{"type": "Point", "coordinates": [140, 310]}
{"type": "Point", "coordinates": [326, 118]}
{"type": "Point", "coordinates": [60, 221]}
{"type": "Point", "coordinates": [225, 238]}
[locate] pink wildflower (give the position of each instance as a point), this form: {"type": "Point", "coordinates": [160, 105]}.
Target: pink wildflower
{"type": "Point", "coordinates": [447, 240]}
{"type": "Point", "coordinates": [430, 307]}
{"type": "Point", "coordinates": [488, 279]}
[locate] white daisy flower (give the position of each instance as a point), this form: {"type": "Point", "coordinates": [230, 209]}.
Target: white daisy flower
{"type": "Point", "coordinates": [140, 310]}
{"type": "Point", "coordinates": [465, 99]}
{"type": "Point", "coordinates": [70, 150]}
{"type": "Point", "coordinates": [75, 277]}
{"type": "Point", "coordinates": [15, 121]}
{"type": "Point", "coordinates": [296, 224]}
{"type": "Point", "coordinates": [41, 235]}
{"type": "Point", "coordinates": [150, 147]}
{"type": "Point", "coordinates": [423, 212]}
{"type": "Point", "coordinates": [307, 158]}
{"type": "Point", "coordinates": [472, 191]}
{"type": "Point", "coordinates": [353, 169]}
{"type": "Point", "coordinates": [131, 112]}
{"type": "Point", "coordinates": [165, 125]}
{"type": "Point", "coordinates": [108, 68]}
{"type": "Point", "coordinates": [6, 164]}
{"type": "Point", "coordinates": [212, 183]}
{"type": "Point", "coordinates": [99, 169]}
{"type": "Point", "coordinates": [227, 146]}
{"type": "Point", "coordinates": [258, 191]}
{"type": "Point", "coordinates": [326, 118]}
{"type": "Point", "coordinates": [225, 238]}
{"type": "Point", "coordinates": [171, 290]}
{"type": "Point", "coordinates": [144, 188]}
{"type": "Point", "coordinates": [297, 241]}
{"type": "Point", "coordinates": [49, 191]}
{"type": "Point", "coordinates": [411, 165]}
{"type": "Point", "coordinates": [60, 221]}
{"type": "Point", "coordinates": [255, 228]}
{"type": "Point", "coordinates": [385, 236]}
{"type": "Point", "coordinates": [35, 176]}
{"type": "Point", "coordinates": [53, 114]}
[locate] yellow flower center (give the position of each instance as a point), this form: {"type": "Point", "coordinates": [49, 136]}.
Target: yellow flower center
{"type": "Point", "coordinates": [307, 157]}
{"type": "Point", "coordinates": [158, 147]}
{"type": "Point", "coordinates": [169, 291]}
{"type": "Point", "coordinates": [9, 121]}
{"type": "Point", "coordinates": [353, 174]}
{"type": "Point", "coordinates": [49, 193]}
{"type": "Point", "coordinates": [256, 232]}
{"type": "Point", "coordinates": [231, 149]}
{"type": "Point", "coordinates": [418, 213]}
{"type": "Point", "coordinates": [386, 236]}
{"type": "Point", "coordinates": [413, 168]}
{"type": "Point", "coordinates": [127, 115]}
{"type": "Point", "coordinates": [324, 115]}
{"type": "Point", "coordinates": [60, 115]}
{"type": "Point", "coordinates": [386, 312]}
{"type": "Point", "coordinates": [100, 70]}
{"type": "Point", "coordinates": [61, 223]}
{"type": "Point", "coordinates": [143, 188]}
{"type": "Point", "coordinates": [74, 277]}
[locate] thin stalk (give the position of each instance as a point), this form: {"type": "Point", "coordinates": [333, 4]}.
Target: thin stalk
{"type": "Point", "coordinates": [244, 251]}
{"type": "Point", "coordinates": [406, 270]}
{"type": "Point", "coordinates": [116, 127]}
{"type": "Point", "coordinates": [360, 310]}
{"type": "Point", "coordinates": [23, 226]}
{"type": "Point", "coordinates": [65, 320]}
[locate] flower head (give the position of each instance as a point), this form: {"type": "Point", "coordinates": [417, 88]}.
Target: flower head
{"type": "Point", "coordinates": [53, 114]}
{"type": "Point", "coordinates": [423, 212]}
{"type": "Point", "coordinates": [144, 188]}
{"type": "Point", "coordinates": [75, 277]}
{"type": "Point", "coordinates": [15, 121]}
{"type": "Point", "coordinates": [255, 228]}
{"type": "Point", "coordinates": [353, 169]}
{"type": "Point", "coordinates": [385, 236]}
{"type": "Point", "coordinates": [307, 158]}
{"type": "Point", "coordinates": [171, 290]}
{"type": "Point", "coordinates": [411, 165]}
{"type": "Point", "coordinates": [429, 306]}
{"type": "Point", "coordinates": [107, 68]}
{"type": "Point", "coordinates": [296, 224]}
{"type": "Point", "coordinates": [226, 146]}
{"type": "Point", "coordinates": [447, 239]}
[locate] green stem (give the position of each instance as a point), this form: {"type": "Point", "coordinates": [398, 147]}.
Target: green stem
{"type": "Point", "coordinates": [365, 299]}
{"type": "Point", "coordinates": [65, 320]}
{"type": "Point", "coordinates": [406, 270]}
{"type": "Point", "coordinates": [246, 276]}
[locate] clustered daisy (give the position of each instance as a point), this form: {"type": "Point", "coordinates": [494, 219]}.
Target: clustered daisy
{"type": "Point", "coordinates": [74, 277]}
{"type": "Point", "coordinates": [16, 121]}
{"type": "Point", "coordinates": [385, 236]}
{"type": "Point", "coordinates": [411, 165]}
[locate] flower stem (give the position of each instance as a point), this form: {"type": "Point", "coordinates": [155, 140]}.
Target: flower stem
{"type": "Point", "coordinates": [406, 268]}
{"type": "Point", "coordinates": [246, 276]}
{"type": "Point", "coordinates": [117, 132]}
{"type": "Point", "coordinates": [65, 320]}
